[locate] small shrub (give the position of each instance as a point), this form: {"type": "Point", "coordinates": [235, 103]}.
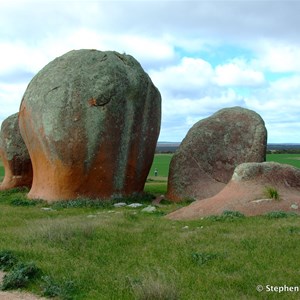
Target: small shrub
{"type": "Point", "coordinates": [272, 193]}
{"type": "Point", "coordinates": [13, 194]}
{"type": "Point", "coordinates": [227, 215]}
{"type": "Point", "coordinates": [214, 218]}
{"type": "Point", "coordinates": [201, 258]}
{"type": "Point", "coordinates": [23, 202]}
{"type": "Point", "coordinates": [83, 203]}
{"type": "Point", "coordinates": [51, 288]}
{"type": "Point", "coordinates": [294, 230]}
{"type": "Point", "coordinates": [159, 213]}
{"type": "Point", "coordinates": [19, 276]}
{"type": "Point", "coordinates": [7, 260]}
{"type": "Point", "coordinates": [231, 214]}
{"type": "Point", "coordinates": [279, 214]}
{"type": "Point", "coordinates": [14, 191]}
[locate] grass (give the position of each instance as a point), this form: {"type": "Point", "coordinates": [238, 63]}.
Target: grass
{"type": "Point", "coordinates": [87, 251]}
{"type": "Point", "coordinates": [161, 163]}
{"type": "Point", "coordinates": [272, 193]}
{"type": "Point", "coordinates": [290, 159]}
{"type": "Point", "coordinates": [122, 253]}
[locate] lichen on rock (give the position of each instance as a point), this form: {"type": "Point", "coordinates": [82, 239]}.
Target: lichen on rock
{"type": "Point", "coordinates": [91, 120]}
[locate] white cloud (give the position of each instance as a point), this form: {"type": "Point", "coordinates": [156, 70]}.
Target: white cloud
{"type": "Point", "coordinates": [10, 99]}
{"type": "Point", "coordinates": [181, 44]}
{"type": "Point", "coordinates": [278, 57]}
{"type": "Point", "coordinates": [188, 77]}
{"type": "Point", "coordinates": [18, 55]}
{"type": "Point", "coordinates": [238, 73]}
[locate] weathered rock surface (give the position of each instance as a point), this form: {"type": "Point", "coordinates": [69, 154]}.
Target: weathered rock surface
{"type": "Point", "coordinates": [212, 148]}
{"type": "Point", "coordinates": [90, 120]}
{"type": "Point", "coordinates": [14, 154]}
{"type": "Point", "coordinates": [247, 192]}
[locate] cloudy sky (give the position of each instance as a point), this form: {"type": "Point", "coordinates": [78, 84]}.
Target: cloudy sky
{"type": "Point", "coordinates": [202, 55]}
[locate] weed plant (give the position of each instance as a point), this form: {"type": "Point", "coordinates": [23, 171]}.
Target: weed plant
{"type": "Point", "coordinates": [64, 290]}
{"type": "Point", "coordinates": [280, 214]}
{"type": "Point", "coordinates": [272, 193]}
{"type": "Point", "coordinates": [227, 215]}
{"type": "Point", "coordinates": [7, 260]}
{"type": "Point", "coordinates": [201, 258]}
{"type": "Point", "coordinates": [20, 276]}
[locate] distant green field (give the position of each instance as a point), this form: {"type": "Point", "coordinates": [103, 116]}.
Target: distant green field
{"type": "Point", "coordinates": [158, 185]}
{"type": "Point", "coordinates": [162, 161]}
{"type": "Point", "coordinates": [290, 159]}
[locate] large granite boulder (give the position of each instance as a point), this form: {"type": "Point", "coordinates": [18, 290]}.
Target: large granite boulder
{"type": "Point", "coordinates": [14, 155]}
{"type": "Point", "coordinates": [255, 189]}
{"type": "Point", "coordinates": [90, 120]}
{"type": "Point", "coordinates": [212, 148]}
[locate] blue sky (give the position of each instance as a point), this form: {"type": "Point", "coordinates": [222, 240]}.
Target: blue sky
{"type": "Point", "coordinates": [202, 55]}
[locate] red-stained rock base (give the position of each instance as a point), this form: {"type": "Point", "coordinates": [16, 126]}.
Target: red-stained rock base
{"type": "Point", "coordinates": [17, 173]}
{"type": "Point", "coordinates": [14, 155]}
{"type": "Point", "coordinates": [249, 196]}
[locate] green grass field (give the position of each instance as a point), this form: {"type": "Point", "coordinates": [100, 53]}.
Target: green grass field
{"type": "Point", "coordinates": [122, 253]}
{"type": "Point", "coordinates": [87, 251]}
{"type": "Point", "coordinates": [161, 162]}
{"type": "Point", "coordinates": [290, 159]}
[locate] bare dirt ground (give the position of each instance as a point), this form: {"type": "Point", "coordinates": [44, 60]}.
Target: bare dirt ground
{"type": "Point", "coordinates": [12, 295]}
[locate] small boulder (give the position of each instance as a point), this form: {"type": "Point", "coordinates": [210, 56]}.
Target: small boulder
{"type": "Point", "coordinates": [135, 205]}
{"type": "Point", "coordinates": [120, 204]}
{"type": "Point", "coordinates": [149, 209]}
{"type": "Point", "coordinates": [90, 120]}
{"type": "Point", "coordinates": [14, 154]}
{"type": "Point", "coordinates": [212, 148]}
{"type": "Point", "coordinates": [249, 192]}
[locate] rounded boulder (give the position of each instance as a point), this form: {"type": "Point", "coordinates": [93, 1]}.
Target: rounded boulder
{"type": "Point", "coordinates": [14, 155]}
{"type": "Point", "coordinates": [90, 120]}
{"type": "Point", "coordinates": [213, 147]}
